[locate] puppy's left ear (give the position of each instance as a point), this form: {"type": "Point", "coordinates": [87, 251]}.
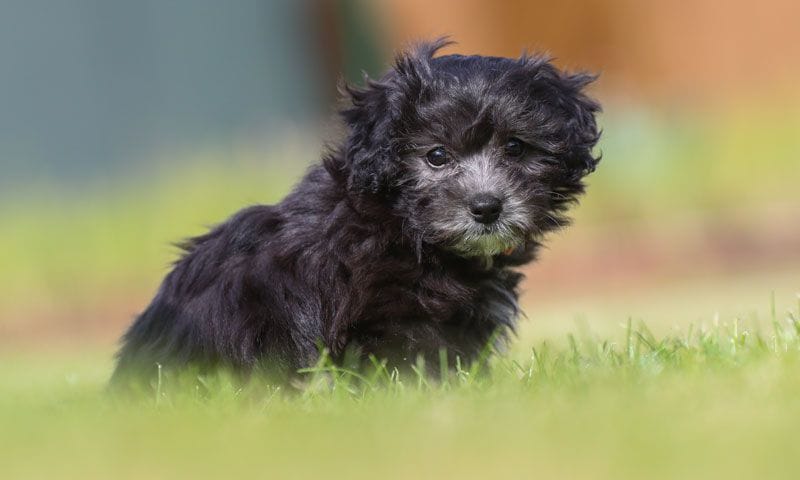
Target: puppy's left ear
{"type": "Point", "coordinates": [575, 133]}
{"type": "Point", "coordinates": [581, 127]}
{"type": "Point", "coordinates": [374, 118]}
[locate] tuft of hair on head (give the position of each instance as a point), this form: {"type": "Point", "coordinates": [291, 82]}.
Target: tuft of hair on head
{"type": "Point", "coordinates": [372, 111]}
{"type": "Point", "coordinates": [415, 61]}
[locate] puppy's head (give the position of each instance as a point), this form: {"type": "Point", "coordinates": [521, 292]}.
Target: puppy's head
{"type": "Point", "coordinates": [478, 155]}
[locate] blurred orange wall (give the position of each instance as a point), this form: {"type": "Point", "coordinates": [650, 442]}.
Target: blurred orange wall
{"type": "Point", "coordinates": [653, 49]}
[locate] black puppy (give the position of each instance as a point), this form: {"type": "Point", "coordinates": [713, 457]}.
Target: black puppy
{"type": "Point", "coordinates": [402, 242]}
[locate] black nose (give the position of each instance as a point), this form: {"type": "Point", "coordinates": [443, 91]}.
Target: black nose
{"type": "Point", "coordinates": [485, 208]}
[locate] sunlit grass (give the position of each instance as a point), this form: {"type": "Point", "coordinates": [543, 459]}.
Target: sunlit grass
{"type": "Point", "coordinates": [708, 402]}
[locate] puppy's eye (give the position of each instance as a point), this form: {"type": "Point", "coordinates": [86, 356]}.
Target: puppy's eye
{"type": "Point", "coordinates": [438, 157]}
{"type": "Point", "coordinates": [514, 147]}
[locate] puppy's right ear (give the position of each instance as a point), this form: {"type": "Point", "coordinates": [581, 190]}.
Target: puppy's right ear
{"type": "Point", "coordinates": [369, 150]}
{"type": "Point", "coordinates": [375, 114]}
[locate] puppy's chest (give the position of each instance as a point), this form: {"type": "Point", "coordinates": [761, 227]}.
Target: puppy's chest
{"type": "Point", "coordinates": [438, 296]}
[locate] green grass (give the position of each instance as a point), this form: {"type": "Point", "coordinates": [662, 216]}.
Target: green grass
{"type": "Point", "coordinates": [706, 402]}
{"type": "Point", "coordinates": [710, 402]}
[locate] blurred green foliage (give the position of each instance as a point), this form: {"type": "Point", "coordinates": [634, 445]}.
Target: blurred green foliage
{"type": "Point", "coordinates": [119, 237]}
{"type": "Point", "coordinates": [57, 243]}
{"type": "Point", "coordinates": [695, 161]}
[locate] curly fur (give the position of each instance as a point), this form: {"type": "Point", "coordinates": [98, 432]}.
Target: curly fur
{"type": "Point", "coordinates": [374, 250]}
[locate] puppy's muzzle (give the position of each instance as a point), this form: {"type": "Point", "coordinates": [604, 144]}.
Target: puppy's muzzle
{"type": "Point", "coordinates": [485, 208]}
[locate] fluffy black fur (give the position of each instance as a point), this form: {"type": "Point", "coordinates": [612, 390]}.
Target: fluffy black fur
{"type": "Point", "coordinates": [371, 251]}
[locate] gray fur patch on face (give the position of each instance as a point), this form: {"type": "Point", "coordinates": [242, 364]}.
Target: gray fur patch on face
{"type": "Point", "coordinates": [449, 219]}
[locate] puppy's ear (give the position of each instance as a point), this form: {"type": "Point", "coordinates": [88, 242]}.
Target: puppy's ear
{"type": "Point", "coordinates": [374, 116]}
{"type": "Point", "coordinates": [582, 130]}
{"type": "Point", "coordinates": [566, 92]}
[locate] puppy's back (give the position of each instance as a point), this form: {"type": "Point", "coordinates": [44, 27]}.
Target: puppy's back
{"type": "Point", "coordinates": [210, 309]}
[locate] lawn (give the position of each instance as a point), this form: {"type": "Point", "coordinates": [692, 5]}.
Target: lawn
{"type": "Point", "coordinates": [702, 383]}
{"type": "Point", "coordinates": [711, 401]}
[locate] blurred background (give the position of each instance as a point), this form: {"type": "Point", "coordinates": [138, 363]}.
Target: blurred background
{"type": "Point", "coordinates": [126, 126]}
